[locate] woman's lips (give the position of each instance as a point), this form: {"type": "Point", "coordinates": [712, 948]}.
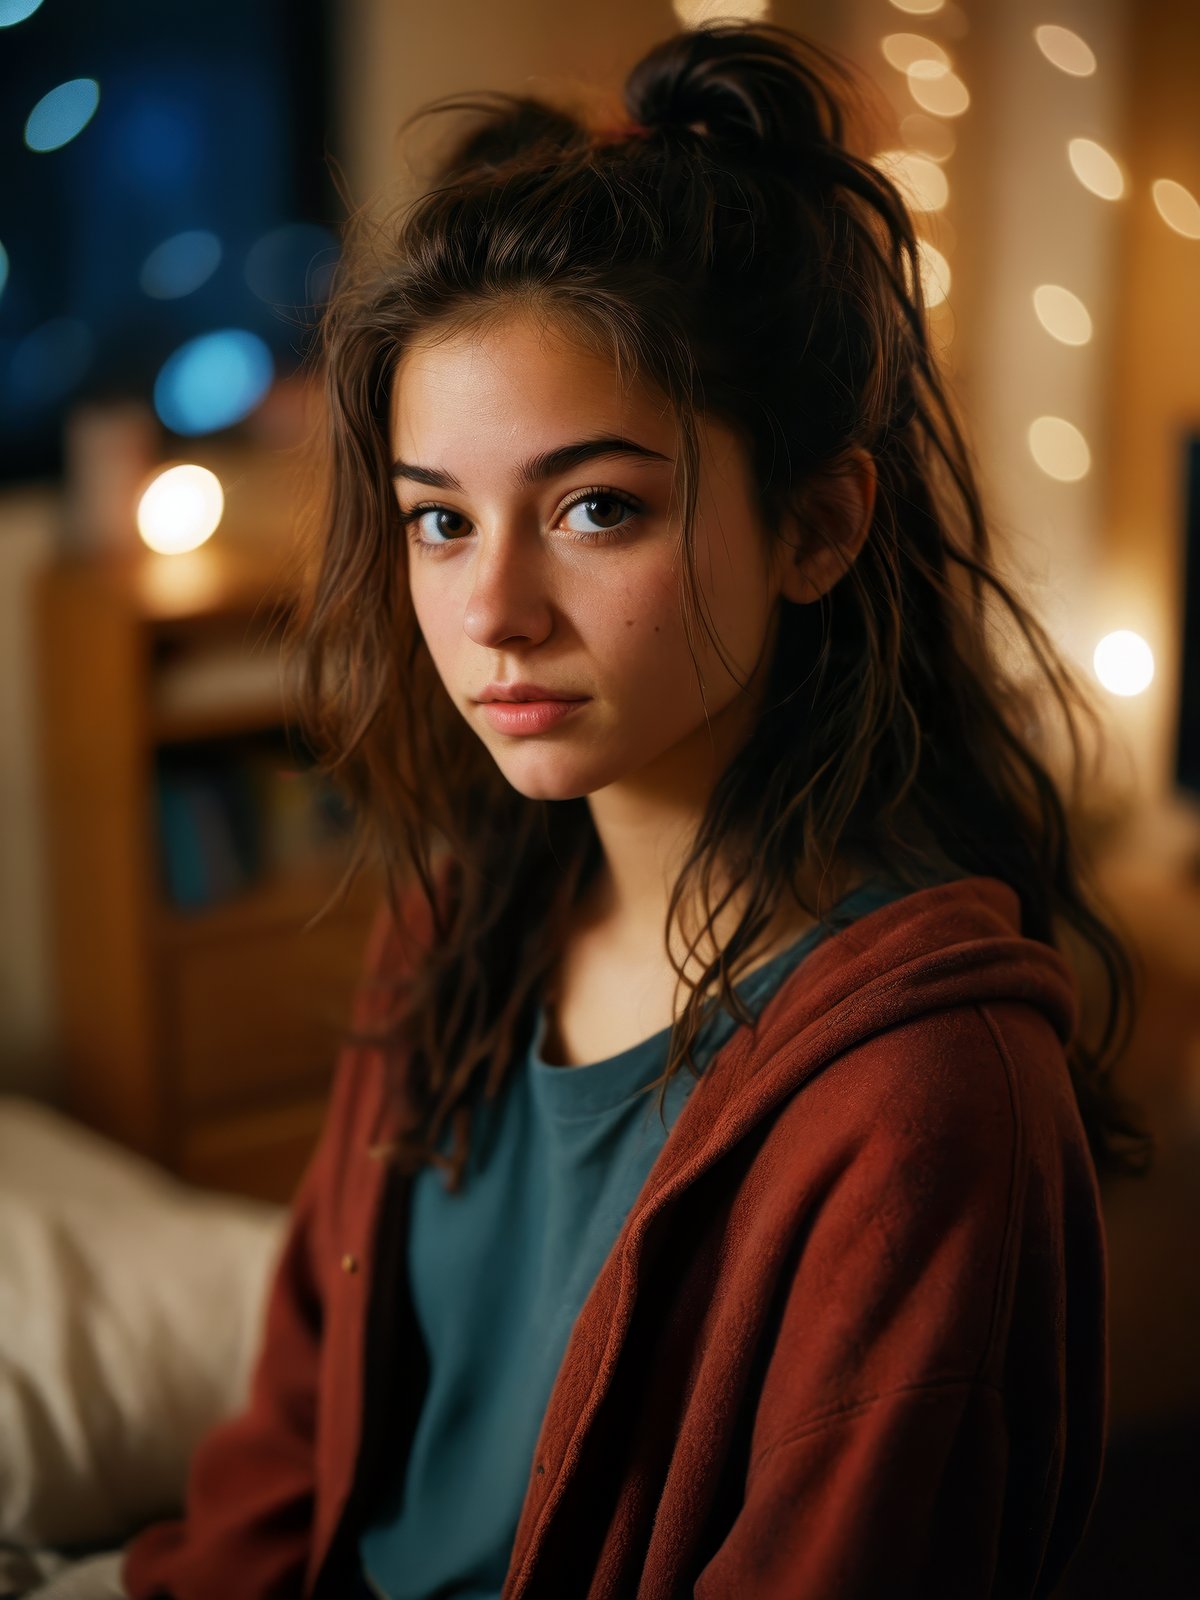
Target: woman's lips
{"type": "Point", "coordinates": [528, 716]}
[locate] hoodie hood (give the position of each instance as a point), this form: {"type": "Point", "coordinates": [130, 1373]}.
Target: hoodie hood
{"type": "Point", "coordinates": [954, 944]}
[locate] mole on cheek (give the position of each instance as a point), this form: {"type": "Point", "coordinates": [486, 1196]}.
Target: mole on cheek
{"type": "Point", "coordinates": [629, 622]}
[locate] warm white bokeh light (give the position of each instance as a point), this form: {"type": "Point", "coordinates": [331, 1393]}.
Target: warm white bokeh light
{"type": "Point", "coordinates": [1059, 448]}
{"type": "Point", "coordinates": [1062, 314]}
{"type": "Point", "coordinates": [903, 50]}
{"type": "Point", "coordinates": [938, 90]}
{"type": "Point", "coordinates": [180, 509]}
{"type": "Point", "coordinates": [934, 272]}
{"type": "Point", "coordinates": [1096, 169]}
{"type": "Point", "coordinates": [953, 22]}
{"type": "Point", "coordinates": [930, 135]}
{"type": "Point", "coordinates": [1065, 50]}
{"type": "Point", "coordinates": [921, 181]}
{"type": "Point", "coordinates": [919, 8]}
{"type": "Point", "coordinates": [1177, 206]}
{"type": "Point", "coordinates": [1124, 662]}
{"type": "Point", "coordinates": [695, 13]}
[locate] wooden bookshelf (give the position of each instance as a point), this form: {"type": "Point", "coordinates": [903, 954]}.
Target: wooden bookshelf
{"type": "Point", "coordinates": [203, 1038]}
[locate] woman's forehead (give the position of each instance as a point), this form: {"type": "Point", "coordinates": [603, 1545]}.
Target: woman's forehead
{"type": "Point", "coordinates": [516, 380]}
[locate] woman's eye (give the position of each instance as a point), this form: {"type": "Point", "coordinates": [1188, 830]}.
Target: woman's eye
{"type": "Point", "coordinates": [599, 515]}
{"type": "Point", "coordinates": [602, 513]}
{"type": "Point", "coordinates": [431, 532]}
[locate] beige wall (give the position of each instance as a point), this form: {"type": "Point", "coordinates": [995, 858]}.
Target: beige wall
{"type": "Point", "coordinates": [1022, 218]}
{"type": "Point", "coordinates": [399, 54]}
{"type": "Point", "coordinates": [1152, 397]}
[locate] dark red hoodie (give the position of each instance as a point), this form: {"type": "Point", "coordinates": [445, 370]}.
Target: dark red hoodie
{"type": "Point", "coordinates": [850, 1342]}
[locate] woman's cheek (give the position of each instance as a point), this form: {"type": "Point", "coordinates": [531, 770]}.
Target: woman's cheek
{"type": "Point", "coordinates": [648, 603]}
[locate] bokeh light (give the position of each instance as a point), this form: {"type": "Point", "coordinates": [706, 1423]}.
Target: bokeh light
{"type": "Point", "coordinates": [918, 8]}
{"type": "Point", "coordinates": [1065, 50]}
{"type": "Point", "coordinates": [1062, 314]}
{"type": "Point", "coordinates": [932, 136]}
{"type": "Point", "coordinates": [213, 381]}
{"type": "Point", "coordinates": [1124, 662]}
{"type": "Point", "coordinates": [48, 362]}
{"type": "Point", "coordinates": [1096, 169]}
{"type": "Point", "coordinates": [157, 140]}
{"type": "Point", "coordinates": [1059, 448]}
{"type": "Point", "coordinates": [920, 180]}
{"type": "Point", "coordinates": [14, 11]}
{"type": "Point", "coordinates": [695, 13]}
{"type": "Point", "coordinates": [938, 90]}
{"type": "Point", "coordinates": [934, 272]}
{"type": "Point", "coordinates": [953, 22]}
{"type": "Point", "coordinates": [62, 114]}
{"type": "Point", "coordinates": [180, 509]}
{"type": "Point", "coordinates": [904, 50]}
{"type": "Point", "coordinates": [180, 264]}
{"type": "Point", "coordinates": [1177, 206]}
{"type": "Point", "coordinates": [292, 265]}
{"type": "Point", "coordinates": [3, 268]}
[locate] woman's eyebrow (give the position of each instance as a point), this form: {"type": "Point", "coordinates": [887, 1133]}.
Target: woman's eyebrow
{"type": "Point", "coordinates": [540, 467]}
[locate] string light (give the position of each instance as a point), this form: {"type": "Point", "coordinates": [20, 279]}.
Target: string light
{"type": "Point", "coordinates": [904, 50]}
{"type": "Point", "coordinates": [921, 181]}
{"type": "Point", "coordinates": [1065, 50]}
{"type": "Point", "coordinates": [938, 90]}
{"type": "Point", "coordinates": [1095, 168]}
{"type": "Point", "coordinates": [180, 509]}
{"type": "Point", "coordinates": [1177, 206]}
{"type": "Point", "coordinates": [1124, 662]}
{"type": "Point", "coordinates": [1063, 314]}
{"type": "Point", "coordinates": [1059, 448]}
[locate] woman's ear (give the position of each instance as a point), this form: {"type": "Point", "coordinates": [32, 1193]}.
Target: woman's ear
{"type": "Point", "coordinates": [817, 544]}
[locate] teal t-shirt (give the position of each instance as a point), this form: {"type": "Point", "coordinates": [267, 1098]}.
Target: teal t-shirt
{"type": "Point", "coordinates": [499, 1272]}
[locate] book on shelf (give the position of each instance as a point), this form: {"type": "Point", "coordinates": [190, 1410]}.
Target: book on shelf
{"type": "Point", "coordinates": [233, 815]}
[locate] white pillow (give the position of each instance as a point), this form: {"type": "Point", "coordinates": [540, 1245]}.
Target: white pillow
{"type": "Point", "coordinates": [45, 1575]}
{"type": "Point", "coordinates": [130, 1313]}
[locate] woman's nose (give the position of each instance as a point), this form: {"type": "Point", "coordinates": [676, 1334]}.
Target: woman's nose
{"type": "Point", "coordinates": [509, 595]}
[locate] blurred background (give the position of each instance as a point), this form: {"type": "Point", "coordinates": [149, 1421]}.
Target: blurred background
{"type": "Point", "coordinates": [173, 184]}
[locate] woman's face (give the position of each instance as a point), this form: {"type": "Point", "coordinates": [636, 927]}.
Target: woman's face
{"type": "Point", "coordinates": [566, 572]}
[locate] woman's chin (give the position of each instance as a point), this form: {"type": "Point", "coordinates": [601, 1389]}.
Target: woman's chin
{"type": "Point", "coordinates": [550, 778]}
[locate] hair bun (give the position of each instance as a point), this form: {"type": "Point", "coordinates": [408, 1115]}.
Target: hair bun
{"type": "Point", "coordinates": [506, 127]}
{"type": "Point", "coordinates": [746, 87]}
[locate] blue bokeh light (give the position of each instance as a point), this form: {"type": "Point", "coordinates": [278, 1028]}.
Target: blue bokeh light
{"type": "Point", "coordinates": [180, 264]}
{"type": "Point", "coordinates": [157, 139]}
{"type": "Point", "coordinates": [62, 114]}
{"type": "Point", "coordinates": [292, 265]}
{"type": "Point", "coordinates": [3, 268]}
{"type": "Point", "coordinates": [14, 11]}
{"type": "Point", "coordinates": [48, 362]}
{"type": "Point", "coordinates": [213, 381]}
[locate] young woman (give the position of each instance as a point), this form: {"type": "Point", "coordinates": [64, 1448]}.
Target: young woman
{"type": "Point", "coordinates": [650, 635]}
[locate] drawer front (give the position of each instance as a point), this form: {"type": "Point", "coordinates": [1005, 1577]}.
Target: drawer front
{"type": "Point", "coordinates": [259, 1015]}
{"type": "Point", "coordinates": [259, 1153]}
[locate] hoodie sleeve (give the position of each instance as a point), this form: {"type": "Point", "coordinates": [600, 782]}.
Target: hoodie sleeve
{"type": "Point", "coordinates": [915, 1397]}
{"type": "Point", "coordinates": [251, 1479]}
{"type": "Point", "coordinates": [900, 1496]}
{"type": "Point", "coordinates": [248, 1515]}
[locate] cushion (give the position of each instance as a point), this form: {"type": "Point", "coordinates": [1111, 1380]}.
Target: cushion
{"type": "Point", "coordinates": [131, 1307]}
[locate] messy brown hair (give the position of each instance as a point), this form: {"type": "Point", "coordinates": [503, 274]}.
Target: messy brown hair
{"type": "Point", "coordinates": [727, 245]}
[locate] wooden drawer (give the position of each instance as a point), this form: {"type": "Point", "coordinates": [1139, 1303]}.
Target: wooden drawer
{"type": "Point", "coordinates": [259, 1015]}
{"type": "Point", "coordinates": [258, 1153]}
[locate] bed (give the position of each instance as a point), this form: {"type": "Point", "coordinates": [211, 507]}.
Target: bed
{"type": "Point", "coordinates": [130, 1313]}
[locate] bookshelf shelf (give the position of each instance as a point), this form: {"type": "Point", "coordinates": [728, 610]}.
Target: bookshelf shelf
{"type": "Point", "coordinates": [202, 1035]}
{"type": "Point", "coordinates": [283, 900]}
{"type": "Point", "coordinates": [194, 727]}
